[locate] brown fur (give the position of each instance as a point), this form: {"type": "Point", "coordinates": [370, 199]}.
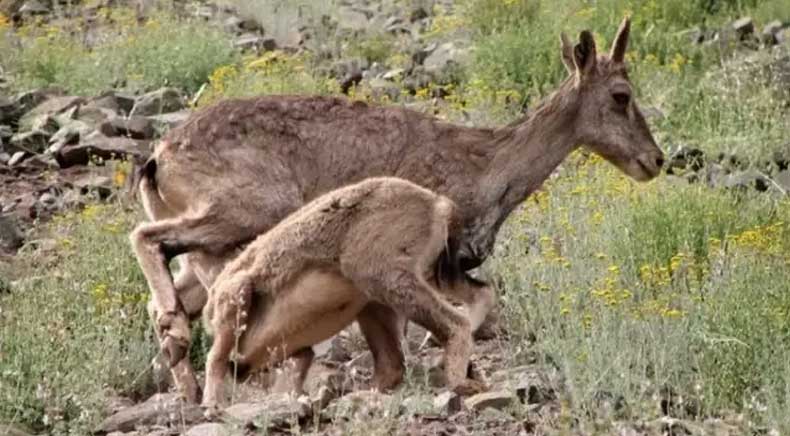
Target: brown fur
{"type": "Point", "coordinates": [308, 277]}
{"type": "Point", "coordinates": [236, 168]}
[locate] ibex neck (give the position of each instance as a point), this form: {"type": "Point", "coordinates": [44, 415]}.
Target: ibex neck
{"type": "Point", "coordinates": [526, 155]}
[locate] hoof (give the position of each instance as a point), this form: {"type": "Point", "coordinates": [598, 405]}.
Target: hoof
{"type": "Point", "coordinates": [174, 349]}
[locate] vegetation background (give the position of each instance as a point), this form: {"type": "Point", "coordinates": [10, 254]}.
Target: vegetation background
{"type": "Point", "coordinates": [667, 295]}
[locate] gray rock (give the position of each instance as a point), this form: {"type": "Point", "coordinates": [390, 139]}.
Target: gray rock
{"type": "Point", "coordinates": [13, 430]}
{"type": "Point", "coordinates": [92, 183]}
{"type": "Point", "coordinates": [69, 133]}
{"type": "Point", "coordinates": [275, 410]}
{"type": "Point", "coordinates": [6, 132]}
{"type": "Point", "coordinates": [446, 56]}
{"type": "Point", "coordinates": [352, 19]}
{"type": "Point", "coordinates": [51, 106]}
{"type": "Point", "coordinates": [743, 27]}
{"type": "Point", "coordinates": [782, 178]}
{"type": "Point", "coordinates": [93, 115]}
{"type": "Point", "coordinates": [114, 101]}
{"type": "Point", "coordinates": [253, 42]}
{"type": "Point", "coordinates": [448, 402]}
{"type": "Point", "coordinates": [35, 141]}
{"type": "Point", "coordinates": [4, 157]}
{"type": "Point", "coordinates": [11, 237]}
{"type": "Point", "coordinates": [161, 409]}
{"type": "Point", "coordinates": [498, 400]}
{"type": "Point", "coordinates": [531, 383]}
{"type": "Point", "coordinates": [135, 127]}
{"type": "Point", "coordinates": [170, 120]}
{"type": "Point", "coordinates": [33, 7]}
{"type": "Point", "coordinates": [686, 158]}
{"type": "Point", "coordinates": [771, 31]}
{"type": "Point", "coordinates": [16, 158]}
{"type": "Point", "coordinates": [749, 179]}
{"type": "Point", "coordinates": [101, 146]}
{"type": "Point", "coordinates": [158, 102]}
{"type": "Point", "coordinates": [208, 429]}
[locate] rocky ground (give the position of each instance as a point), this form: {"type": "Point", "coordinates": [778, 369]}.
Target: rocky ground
{"type": "Point", "coordinates": [59, 151]}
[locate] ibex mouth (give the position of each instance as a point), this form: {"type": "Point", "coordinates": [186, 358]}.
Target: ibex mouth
{"type": "Point", "coordinates": [649, 166]}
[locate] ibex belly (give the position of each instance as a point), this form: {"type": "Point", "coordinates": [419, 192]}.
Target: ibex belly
{"type": "Point", "coordinates": [314, 308]}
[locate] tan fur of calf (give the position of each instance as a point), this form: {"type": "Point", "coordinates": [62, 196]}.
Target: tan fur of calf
{"type": "Point", "coordinates": [383, 240]}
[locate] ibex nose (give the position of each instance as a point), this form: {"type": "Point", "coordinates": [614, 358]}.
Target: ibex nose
{"type": "Point", "coordinates": [660, 161]}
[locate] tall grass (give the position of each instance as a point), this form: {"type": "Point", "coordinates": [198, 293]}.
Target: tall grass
{"type": "Point", "coordinates": [73, 327]}
{"type": "Point", "coordinates": [164, 51]}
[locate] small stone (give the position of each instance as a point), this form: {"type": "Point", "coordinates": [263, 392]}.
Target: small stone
{"type": "Point", "coordinates": [33, 7]}
{"type": "Point", "coordinates": [16, 158]}
{"type": "Point", "coordinates": [770, 35]}
{"type": "Point", "coordinates": [782, 178]}
{"type": "Point", "coordinates": [498, 400]}
{"type": "Point", "coordinates": [92, 183]}
{"type": "Point", "coordinates": [751, 179]}
{"type": "Point", "coordinates": [208, 429]}
{"type": "Point", "coordinates": [249, 42]}
{"type": "Point", "coordinates": [158, 102]}
{"type": "Point", "coordinates": [275, 410]}
{"type": "Point", "coordinates": [448, 402]}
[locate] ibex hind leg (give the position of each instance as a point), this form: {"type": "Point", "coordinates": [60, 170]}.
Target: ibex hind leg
{"type": "Point", "coordinates": [422, 304]}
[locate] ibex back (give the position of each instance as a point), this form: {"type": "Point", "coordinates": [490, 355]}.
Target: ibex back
{"type": "Point", "coordinates": [237, 168]}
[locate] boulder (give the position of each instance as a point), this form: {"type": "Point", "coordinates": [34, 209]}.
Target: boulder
{"type": "Point", "coordinates": [445, 56]}
{"type": "Point", "coordinates": [448, 402]}
{"type": "Point", "coordinates": [352, 19]}
{"type": "Point", "coordinates": [749, 179]}
{"type": "Point", "coordinates": [135, 127]}
{"type": "Point", "coordinates": [161, 409]}
{"type": "Point", "coordinates": [101, 146]}
{"type": "Point", "coordinates": [157, 102]}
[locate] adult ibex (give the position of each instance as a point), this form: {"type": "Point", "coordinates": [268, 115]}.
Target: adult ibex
{"type": "Point", "coordinates": [236, 168]}
{"type": "Point", "coordinates": [383, 240]}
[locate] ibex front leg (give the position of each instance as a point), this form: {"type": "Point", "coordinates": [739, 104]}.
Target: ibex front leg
{"type": "Point", "coordinates": [155, 244]}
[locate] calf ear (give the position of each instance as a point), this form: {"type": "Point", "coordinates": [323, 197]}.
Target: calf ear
{"type": "Point", "coordinates": [567, 53]}
{"type": "Point", "coordinates": [620, 43]}
{"type": "Point", "coordinates": [585, 56]}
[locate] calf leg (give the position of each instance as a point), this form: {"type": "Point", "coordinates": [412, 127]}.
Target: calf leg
{"type": "Point", "coordinates": [383, 329]}
{"type": "Point", "coordinates": [228, 317]}
{"type": "Point", "coordinates": [421, 303]}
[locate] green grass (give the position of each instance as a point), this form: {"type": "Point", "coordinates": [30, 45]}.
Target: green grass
{"type": "Point", "coordinates": [73, 327]}
{"type": "Point", "coordinates": [633, 288]}
{"type": "Point", "coordinates": [164, 51]}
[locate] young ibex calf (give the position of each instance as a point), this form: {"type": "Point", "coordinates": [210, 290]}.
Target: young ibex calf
{"type": "Point", "coordinates": [382, 240]}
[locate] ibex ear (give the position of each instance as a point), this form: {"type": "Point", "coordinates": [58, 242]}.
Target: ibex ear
{"type": "Point", "coordinates": [584, 53]}
{"type": "Point", "coordinates": [620, 43]}
{"type": "Point", "coordinates": [567, 53]}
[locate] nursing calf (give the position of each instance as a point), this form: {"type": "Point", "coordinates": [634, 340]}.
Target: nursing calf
{"type": "Point", "coordinates": [382, 240]}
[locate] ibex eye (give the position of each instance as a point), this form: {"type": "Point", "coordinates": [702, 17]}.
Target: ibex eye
{"type": "Point", "coordinates": [622, 98]}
